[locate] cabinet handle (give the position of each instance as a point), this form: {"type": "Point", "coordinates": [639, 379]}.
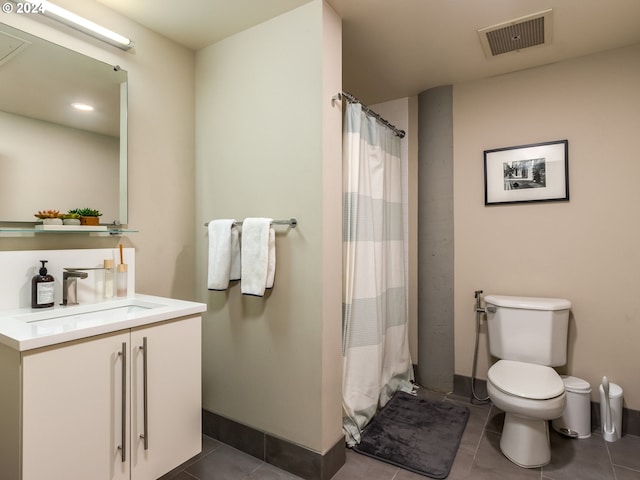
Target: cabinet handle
{"type": "Point", "coordinates": [145, 434]}
{"type": "Point", "coordinates": [123, 447]}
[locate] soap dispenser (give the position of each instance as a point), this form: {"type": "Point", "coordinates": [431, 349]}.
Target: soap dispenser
{"type": "Point", "coordinates": [42, 288]}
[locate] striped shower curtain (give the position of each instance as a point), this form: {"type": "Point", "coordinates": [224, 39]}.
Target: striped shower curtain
{"type": "Point", "coordinates": [375, 349]}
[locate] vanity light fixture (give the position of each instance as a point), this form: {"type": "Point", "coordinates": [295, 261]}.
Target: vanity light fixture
{"type": "Point", "coordinates": [81, 24]}
{"type": "Point", "coordinates": [82, 106]}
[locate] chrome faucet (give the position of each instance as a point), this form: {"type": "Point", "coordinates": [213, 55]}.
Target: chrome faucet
{"type": "Point", "coordinates": [70, 278]}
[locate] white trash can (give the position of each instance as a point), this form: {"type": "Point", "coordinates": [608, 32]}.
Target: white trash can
{"type": "Point", "coordinates": [615, 400]}
{"type": "Point", "coordinates": [575, 422]}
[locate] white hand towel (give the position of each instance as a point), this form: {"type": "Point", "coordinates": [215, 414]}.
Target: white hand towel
{"type": "Point", "coordinates": [254, 255]}
{"type": "Point", "coordinates": [235, 255]}
{"type": "Point", "coordinates": [221, 253]}
{"type": "Point", "coordinates": [271, 267]}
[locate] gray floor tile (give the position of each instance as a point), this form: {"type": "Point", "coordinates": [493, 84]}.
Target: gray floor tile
{"type": "Point", "coordinates": [461, 468]}
{"type": "Point", "coordinates": [361, 467]}
{"type": "Point", "coordinates": [625, 452]}
{"type": "Point", "coordinates": [474, 429]}
{"type": "Point", "coordinates": [626, 474]}
{"type": "Point", "coordinates": [269, 472]}
{"type": "Point", "coordinates": [490, 463]}
{"type": "Point", "coordinates": [478, 458]}
{"type": "Point", "coordinates": [224, 463]}
{"type": "Point", "coordinates": [431, 395]}
{"type": "Point", "coordinates": [208, 445]}
{"type": "Point", "coordinates": [495, 420]}
{"type": "Point", "coordinates": [407, 475]}
{"type": "Point", "coordinates": [179, 476]}
{"type": "Point", "coordinates": [573, 458]}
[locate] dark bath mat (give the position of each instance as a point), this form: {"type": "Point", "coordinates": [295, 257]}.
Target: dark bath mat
{"type": "Point", "coordinates": [416, 434]}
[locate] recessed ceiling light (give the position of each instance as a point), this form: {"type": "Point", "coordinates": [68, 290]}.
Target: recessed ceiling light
{"type": "Point", "coordinates": [82, 106]}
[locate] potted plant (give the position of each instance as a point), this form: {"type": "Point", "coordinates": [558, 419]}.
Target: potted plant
{"type": "Point", "coordinates": [70, 218]}
{"type": "Point", "coordinates": [49, 217]}
{"type": "Point", "coordinates": [88, 216]}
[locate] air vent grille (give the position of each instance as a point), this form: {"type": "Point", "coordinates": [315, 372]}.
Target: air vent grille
{"type": "Point", "coordinates": [517, 34]}
{"type": "Point", "coordinates": [10, 46]}
{"type": "Point", "coordinates": [516, 37]}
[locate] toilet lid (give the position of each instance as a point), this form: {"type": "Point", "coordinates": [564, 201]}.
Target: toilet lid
{"type": "Point", "coordinates": [526, 380]}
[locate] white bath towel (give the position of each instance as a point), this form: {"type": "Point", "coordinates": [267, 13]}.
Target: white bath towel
{"type": "Point", "coordinates": [255, 255]}
{"type": "Point", "coordinates": [224, 250]}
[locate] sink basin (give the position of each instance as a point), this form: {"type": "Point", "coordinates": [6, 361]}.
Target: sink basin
{"type": "Point", "coordinates": [117, 309]}
{"type": "Point", "coordinates": [26, 329]}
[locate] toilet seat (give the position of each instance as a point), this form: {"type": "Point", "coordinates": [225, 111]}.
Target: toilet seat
{"type": "Point", "coordinates": [530, 396]}
{"type": "Point", "coordinates": [526, 380]}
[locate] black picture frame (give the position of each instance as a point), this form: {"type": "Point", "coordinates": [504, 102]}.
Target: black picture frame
{"type": "Point", "coordinates": [538, 172]}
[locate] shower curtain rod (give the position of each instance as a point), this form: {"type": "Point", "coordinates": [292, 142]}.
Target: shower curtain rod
{"type": "Point", "coordinates": [352, 99]}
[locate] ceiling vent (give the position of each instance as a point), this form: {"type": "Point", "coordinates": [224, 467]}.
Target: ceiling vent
{"type": "Point", "coordinates": [515, 35]}
{"type": "Point", "coordinates": [10, 46]}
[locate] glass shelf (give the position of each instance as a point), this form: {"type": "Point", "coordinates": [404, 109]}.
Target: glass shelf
{"type": "Point", "coordinates": [30, 231]}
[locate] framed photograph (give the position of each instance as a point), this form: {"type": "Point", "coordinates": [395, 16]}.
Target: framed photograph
{"type": "Point", "coordinates": [527, 173]}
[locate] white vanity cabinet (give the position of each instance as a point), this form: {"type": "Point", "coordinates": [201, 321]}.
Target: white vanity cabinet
{"type": "Point", "coordinates": [91, 408]}
{"type": "Point", "coordinates": [174, 397]}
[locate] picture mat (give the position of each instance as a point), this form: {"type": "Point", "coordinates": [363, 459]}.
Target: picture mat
{"type": "Point", "coordinates": [554, 155]}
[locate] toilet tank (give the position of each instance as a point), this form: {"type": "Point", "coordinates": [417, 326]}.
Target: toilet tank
{"type": "Point", "coordinates": [528, 329]}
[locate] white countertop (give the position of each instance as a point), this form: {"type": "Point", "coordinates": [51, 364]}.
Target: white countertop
{"type": "Point", "coordinates": [28, 328]}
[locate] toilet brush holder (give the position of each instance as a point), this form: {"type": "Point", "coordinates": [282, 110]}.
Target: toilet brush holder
{"type": "Point", "coordinates": [611, 410]}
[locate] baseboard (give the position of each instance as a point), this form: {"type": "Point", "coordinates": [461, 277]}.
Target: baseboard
{"type": "Point", "coordinates": [293, 458]}
{"type": "Point", "coordinates": [630, 418]}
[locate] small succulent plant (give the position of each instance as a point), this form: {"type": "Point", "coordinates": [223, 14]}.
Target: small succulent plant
{"type": "Point", "coordinates": [85, 212]}
{"type": "Point", "coordinates": [48, 214]}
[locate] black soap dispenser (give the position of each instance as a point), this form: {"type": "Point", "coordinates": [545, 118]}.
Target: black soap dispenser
{"type": "Point", "coordinates": [42, 289]}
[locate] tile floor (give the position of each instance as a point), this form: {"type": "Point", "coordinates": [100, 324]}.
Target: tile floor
{"type": "Point", "coordinates": [478, 457]}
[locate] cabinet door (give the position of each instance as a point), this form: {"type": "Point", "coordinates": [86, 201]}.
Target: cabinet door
{"type": "Point", "coordinates": [174, 405]}
{"type": "Point", "coordinates": [72, 414]}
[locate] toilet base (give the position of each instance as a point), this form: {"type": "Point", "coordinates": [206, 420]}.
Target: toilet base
{"type": "Point", "coordinates": [525, 441]}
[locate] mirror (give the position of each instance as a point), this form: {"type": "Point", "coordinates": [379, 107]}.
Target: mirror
{"type": "Point", "coordinates": [53, 156]}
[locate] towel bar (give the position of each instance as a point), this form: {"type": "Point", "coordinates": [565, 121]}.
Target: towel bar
{"type": "Point", "coordinates": [292, 222]}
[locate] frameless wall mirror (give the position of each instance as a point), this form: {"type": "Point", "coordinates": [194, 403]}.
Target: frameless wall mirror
{"type": "Point", "coordinates": [63, 131]}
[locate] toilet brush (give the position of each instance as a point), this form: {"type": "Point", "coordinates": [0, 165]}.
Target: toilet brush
{"type": "Point", "coordinates": [608, 428]}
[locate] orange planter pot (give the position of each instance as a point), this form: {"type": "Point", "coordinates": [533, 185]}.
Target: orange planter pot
{"type": "Point", "coordinates": [89, 221]}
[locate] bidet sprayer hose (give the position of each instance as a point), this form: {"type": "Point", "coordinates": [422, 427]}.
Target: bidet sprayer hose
{"type": "Point", "coordinates": [479, 312]}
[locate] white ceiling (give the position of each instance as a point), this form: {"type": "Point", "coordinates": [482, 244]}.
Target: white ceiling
{"type": "Point", "coordinates": [398, 48]}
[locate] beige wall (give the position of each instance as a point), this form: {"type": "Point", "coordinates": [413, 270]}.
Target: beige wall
{"type": "Point", "coordinates": [161, 148]}
{"type": "Point", "coordinates": [585, 250]}
{"type": "Point", "coordinates": [262, 117]}
{"type": "Point", "coordinates": [331, 379]}
{"type": "Point", "coordinates": [29, 149]}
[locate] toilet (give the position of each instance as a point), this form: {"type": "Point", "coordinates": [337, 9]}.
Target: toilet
{"type": "Point", "coordinates": [528, 336]}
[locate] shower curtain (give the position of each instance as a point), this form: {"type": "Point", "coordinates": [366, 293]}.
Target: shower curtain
{"type": "Point", "coordinates": [375, 349]}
